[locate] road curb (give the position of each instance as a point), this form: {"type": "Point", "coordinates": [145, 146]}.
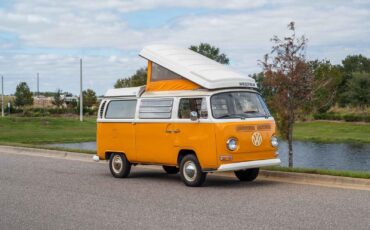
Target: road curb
{"type": "Point", "coordinates": [289, 177]}
{"type": "Point", "coordinates": [45, 152]}
{"type": "Point", "coordinates": [325, 180]}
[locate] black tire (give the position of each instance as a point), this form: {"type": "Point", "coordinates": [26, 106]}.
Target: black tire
{"type": "Point", "coordinates": [198, 178]}
{"type": "Point", "coordinates": [247, 174]}
{"type": "Point", "coordinates": [170, 169]}
{"type": "Point", "coordinates": [117, 159]}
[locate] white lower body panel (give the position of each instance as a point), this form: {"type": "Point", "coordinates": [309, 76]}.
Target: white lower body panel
{"type": "Point", "coordinates": [248, 165]}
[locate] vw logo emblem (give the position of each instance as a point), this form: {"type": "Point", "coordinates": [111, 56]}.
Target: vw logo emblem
{"type": "Point", "coordinates": [257, 139]}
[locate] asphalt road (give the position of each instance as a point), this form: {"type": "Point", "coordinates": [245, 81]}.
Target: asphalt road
{"type": "Point", "coordinates": [52, 193]}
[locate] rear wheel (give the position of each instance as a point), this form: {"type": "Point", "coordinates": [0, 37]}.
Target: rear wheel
{"type": "Point", "coordinates": [170, 169]}
{"type": "Point", "coordinates": [119, 166]}
{"type": "Point", "coordinates": [247, 174]}
{"type": "Point", "coordinates": [190, 171]}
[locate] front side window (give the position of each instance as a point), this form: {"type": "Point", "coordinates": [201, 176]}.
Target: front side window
{"type": "Point", "coordinates": [188, 105]}
{"type": "Point", "coordinates": [238, 105]}
{"type": "Point", "coordinates": [121, 109]}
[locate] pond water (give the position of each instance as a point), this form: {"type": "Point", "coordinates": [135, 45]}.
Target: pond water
{"type": "Point", "coordinates": [342, 156]}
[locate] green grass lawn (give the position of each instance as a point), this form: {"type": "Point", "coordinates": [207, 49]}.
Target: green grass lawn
{"type": "Point", "coordinates": [42, 130]}
{"type": "Point", "coordinates": [326, 131]}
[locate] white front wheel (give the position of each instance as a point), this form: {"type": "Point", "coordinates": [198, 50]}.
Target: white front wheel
{"type": "Point", "coordinates": [190, 171]}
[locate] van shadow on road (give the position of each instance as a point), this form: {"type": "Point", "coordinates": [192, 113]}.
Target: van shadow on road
{"type": "Point", "coordinates": [212, 180]}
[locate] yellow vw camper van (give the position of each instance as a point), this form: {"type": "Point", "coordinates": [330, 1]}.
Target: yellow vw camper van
{"type": "Point", "coordinates": [194, 116]}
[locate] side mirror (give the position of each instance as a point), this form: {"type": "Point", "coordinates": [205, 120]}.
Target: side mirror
{"type": "Point", "coordinates": [193, 115]}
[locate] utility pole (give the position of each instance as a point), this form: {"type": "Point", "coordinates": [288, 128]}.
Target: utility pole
{"type": "Point", "coordinates": [38, 83]}
{"type": "Point", "coordinates": [81, 96]}
{"type": "Point", "coordinates": [2, 96]}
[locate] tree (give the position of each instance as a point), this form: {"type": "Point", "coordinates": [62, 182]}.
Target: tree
{"type": "Point", "coordinates": [358, 90]}
{"type": "Point", "coordinates": [211, 52]}
{"type": "Point", "coordinates": [288, 75]}
{"type": "Point", "coordinates": [356, 63]}
{"type": "Point", "coordinates": [58, 101]}
{"type": "Point", "coordinates": [23, 95]}
{"type": "Point", "coordinates": [325, 97]}
{"type": "Point", "coordinates": [89, 97]}
{"type": "Point", "coordinates": [264, 89]}
{"type": "Point", "coordinates": [138, 79]}
{"type": "Point", "coordinates": [351, 64]}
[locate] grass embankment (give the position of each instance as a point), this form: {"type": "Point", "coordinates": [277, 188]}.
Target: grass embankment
{"type": "Point", "coordinates": [330, 172]}
{"type": "Point", "coordinates": [327, 131]}
{"type": "Point", "coordinates": [24, 131]}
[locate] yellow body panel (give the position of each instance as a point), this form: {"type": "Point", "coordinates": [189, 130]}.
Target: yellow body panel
{"type": "Point", "coordinates": [154, 144]}
{"type": "Point", "coordinates": [160, 143]}
{"type": "Point", "coordinates": [116, 137]}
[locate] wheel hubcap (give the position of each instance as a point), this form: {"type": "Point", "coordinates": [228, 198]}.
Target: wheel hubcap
{"type": "Point", "coordinates": [117, 164]}
{"type": "Point", "coordinates": [190, 171]}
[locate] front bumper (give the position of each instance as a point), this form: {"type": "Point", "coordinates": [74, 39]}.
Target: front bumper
{"type": "Point", "coordinates": [248, 165]}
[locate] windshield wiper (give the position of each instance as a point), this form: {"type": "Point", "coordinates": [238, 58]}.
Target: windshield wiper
{"type": "Point", "coordinates": [231, 116]}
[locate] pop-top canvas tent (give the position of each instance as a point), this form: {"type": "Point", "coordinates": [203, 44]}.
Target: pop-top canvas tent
{"type": "Point", "coordinates": [174, 68]}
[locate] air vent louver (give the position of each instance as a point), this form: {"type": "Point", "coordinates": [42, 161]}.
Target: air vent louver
{"type": "Point", "coordinates": [101, 111]}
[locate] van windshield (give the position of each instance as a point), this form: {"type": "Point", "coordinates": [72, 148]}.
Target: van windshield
{"type": "Point", "coordinates": [238, 105]}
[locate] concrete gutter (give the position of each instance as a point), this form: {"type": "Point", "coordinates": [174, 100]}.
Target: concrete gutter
{"type": "Point", "coordinates": [45, 153]}
{"type": "Point", "coordinates": [287, 177]}
{"type": "Point", "coordinates": [316, 179]}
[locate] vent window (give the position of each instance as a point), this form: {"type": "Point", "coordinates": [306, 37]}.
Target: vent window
{"type": "Point", "coordinates": [155, 108]}
{"type": "Point", "coordinates": [101, 111]}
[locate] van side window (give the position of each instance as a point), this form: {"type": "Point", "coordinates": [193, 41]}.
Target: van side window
{"type": "Point", "coordinates": [192, 104]}
{"type": "Point", "coordinates": [156, 108]}
{"type": "Point", "coordinates": [121, 109]}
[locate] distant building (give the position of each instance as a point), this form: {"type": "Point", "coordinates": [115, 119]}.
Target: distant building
{"type": "Point", "coordinates": [42, 102]}
{"type": "Point", "coordinates": [69, 98]}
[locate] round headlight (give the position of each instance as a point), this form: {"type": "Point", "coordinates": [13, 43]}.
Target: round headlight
{"type": "Point", "coordinates": [232, 144]}
{"type": "Point", "coordinates": [274, 141]}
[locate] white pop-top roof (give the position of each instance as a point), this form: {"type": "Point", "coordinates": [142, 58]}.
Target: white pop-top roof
{"type": "Point", "coordinates": [125, 92]}
{"type": "Point", "coordinates": [196, 67]}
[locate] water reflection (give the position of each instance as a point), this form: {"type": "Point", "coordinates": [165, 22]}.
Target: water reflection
{"type": "Point", "coordinates": [328, 155]}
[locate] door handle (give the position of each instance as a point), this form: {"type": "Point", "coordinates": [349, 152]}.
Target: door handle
{"type": "Point", "coordinates": [173, 131]}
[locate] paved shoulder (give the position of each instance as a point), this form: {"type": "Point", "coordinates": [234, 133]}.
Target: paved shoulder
{"type": "Point", "coordinates": [53, 193]}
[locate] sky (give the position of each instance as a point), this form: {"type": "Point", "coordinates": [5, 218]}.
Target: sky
{"type": "Point", "coordinates": [49, 37]}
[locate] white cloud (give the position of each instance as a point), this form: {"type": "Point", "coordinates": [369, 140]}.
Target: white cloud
{"type": "Point", "coordinates": [62, 72]}
{"type": "Point", "coordinates": [241, 29]}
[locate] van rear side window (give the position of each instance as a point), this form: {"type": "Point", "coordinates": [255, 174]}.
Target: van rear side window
{"type": "Point", "coordinates": [156, 108]}
{"type": "Point", "coordinates": [123, 109]}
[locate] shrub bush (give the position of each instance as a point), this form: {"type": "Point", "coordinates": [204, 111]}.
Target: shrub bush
{"type": "Point", "coordinates": [338, 117]}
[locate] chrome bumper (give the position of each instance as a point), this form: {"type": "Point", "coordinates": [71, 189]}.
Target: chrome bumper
{"type": "Point", "coordinates": [248, 165]}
